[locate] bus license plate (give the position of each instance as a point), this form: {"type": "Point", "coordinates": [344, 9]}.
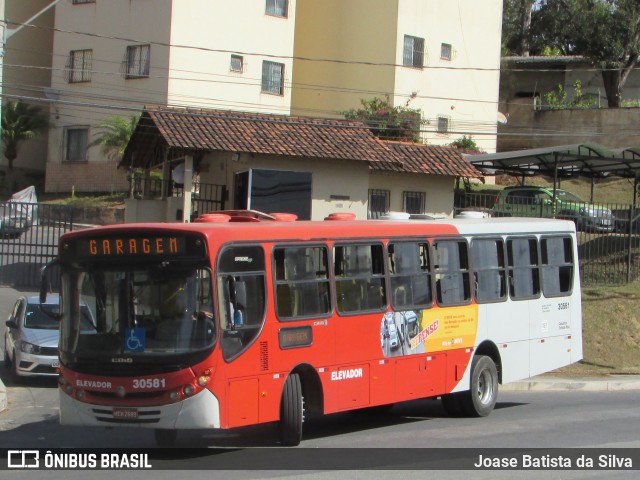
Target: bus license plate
{"type": "Point", "coordinates": [125, 413]}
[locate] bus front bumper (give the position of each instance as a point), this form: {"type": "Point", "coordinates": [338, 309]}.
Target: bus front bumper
{"type": "Point", "coordinates": [200, 411]}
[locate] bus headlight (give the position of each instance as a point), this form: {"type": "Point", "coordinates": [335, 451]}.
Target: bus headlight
{"type": "Point", "coordinates": [188, 390]}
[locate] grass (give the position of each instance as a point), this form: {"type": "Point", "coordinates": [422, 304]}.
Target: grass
{"type": "Point", "coordinates": [115, 200]}
{"type": "Point", "coordinates": [611, 331]}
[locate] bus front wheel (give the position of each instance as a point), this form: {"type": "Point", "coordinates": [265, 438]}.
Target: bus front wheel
{"type": "Point", "coordinates": [291, 411]}
{"type": "Point", "coordinates": [483, 394]}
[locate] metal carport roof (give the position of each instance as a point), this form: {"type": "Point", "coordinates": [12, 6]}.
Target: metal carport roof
{"type": "Point", "coordinates": [587, 160]}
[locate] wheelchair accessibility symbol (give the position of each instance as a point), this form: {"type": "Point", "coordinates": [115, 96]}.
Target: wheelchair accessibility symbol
{"type": "Point", "coordinates": [134, 340]}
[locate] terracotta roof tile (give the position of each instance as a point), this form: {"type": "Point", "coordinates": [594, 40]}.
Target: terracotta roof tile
{"type": "Point", "coordinates": [429, 159]}
{"type": "Point", "coordinates": [197, 130]}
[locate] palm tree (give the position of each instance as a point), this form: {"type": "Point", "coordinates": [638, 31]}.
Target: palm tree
{"type": "Point", "coordinates": [20, 121]}
{"type": "Point", "coordinates": [114, 134]}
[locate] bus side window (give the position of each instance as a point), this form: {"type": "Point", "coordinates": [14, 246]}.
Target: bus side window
{"type": "Point", "coordinates": [359, 278]}
{"type": "Point", "coordinates": [488, 262]}
{"type": "Point", "coordinates": [557, 266]}
{"type": "Point", "coordinates": [410, 276]}
{"type": "Point", "coordinates": [524, 275]}
{"type": "Point", "coordinates": [301, 282]}
{"type": "Point", "coordinates": [451, 262]}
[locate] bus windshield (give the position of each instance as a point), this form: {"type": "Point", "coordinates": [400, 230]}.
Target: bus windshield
{"type": "Point", "coordinates": [138, 311]}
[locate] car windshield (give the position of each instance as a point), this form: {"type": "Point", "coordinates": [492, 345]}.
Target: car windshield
{"type": "Point", "coordinates": [568, 197]}
{"type": "Point", "coordinates": [44, 317]}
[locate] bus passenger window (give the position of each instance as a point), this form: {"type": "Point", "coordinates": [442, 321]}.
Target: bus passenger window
{"type": "Point", "coordinates": [241, 297]}
{"type": "Point", "coordinates": [301, 282]}
{"type": "Point", "coordinates": [451, 267]}
{"type": "Point", "coordinates": [410, 276]}
{"type": "Point", "coordinates": [557, 266]}
{"type": "Point", "coordinates": [522, 256]}
{"type": "Point", "coordinates": [487, 256]}
{"type": "Point", "coordinates": [359, 277]}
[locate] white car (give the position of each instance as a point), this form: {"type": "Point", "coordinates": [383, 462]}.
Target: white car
{"type": "Point", "coordinates": [32, 334]}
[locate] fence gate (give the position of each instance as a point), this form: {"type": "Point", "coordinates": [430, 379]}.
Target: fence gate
{"type": "Point", "coordinates": [24, 251]}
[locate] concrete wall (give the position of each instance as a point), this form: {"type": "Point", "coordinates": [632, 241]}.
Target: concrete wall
{"type": "Point", "coordinates": [529, 128]}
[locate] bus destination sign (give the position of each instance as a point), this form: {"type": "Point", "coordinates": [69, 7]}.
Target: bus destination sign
{"type": "Point", "coordinates": [131, 246]}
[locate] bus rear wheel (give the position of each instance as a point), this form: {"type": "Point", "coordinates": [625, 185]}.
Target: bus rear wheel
{"type": "Point", "coordinates": [483, 394]}
{"type": "Point", "coordinates": [291, 412]}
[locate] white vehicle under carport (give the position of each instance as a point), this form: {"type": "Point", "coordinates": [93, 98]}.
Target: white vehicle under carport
{"type": "Point", "coordinates": [19, 213]}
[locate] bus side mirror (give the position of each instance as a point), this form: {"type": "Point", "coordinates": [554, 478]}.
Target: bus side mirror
{"type": "Point", "coordinates": [45, 282]}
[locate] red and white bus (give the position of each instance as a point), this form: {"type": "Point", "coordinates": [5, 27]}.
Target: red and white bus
{"type": "Point", "coordinates": [237, 320]}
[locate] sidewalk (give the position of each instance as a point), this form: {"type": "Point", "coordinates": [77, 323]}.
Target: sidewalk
{"type": "Point", "coordinates": [607, 383]}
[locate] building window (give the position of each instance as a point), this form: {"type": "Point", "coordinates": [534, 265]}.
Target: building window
{"type": "Point", "coordinates": [413, 202]}
{"type": "Point", "coordinates": [445, 51]}
{"type": "Point", "coordinates": [79, 66]}
{"type": "Point", "coordinates": [273, 78]}
{"type": "Point", "coordinates": [413, 54]}
{"type": "Point", "coordinates": [237, 63]}
{"type": "Point", "coordinates": [137, 61]}
{"type": "Point", "coordinates": [444, 124]}
{"type": "Point", "coordinates": [378, 203]}
{"type": "Point", "coordinates": [277, 8]}
{"type": "Point", "coordinates": [76, 142]}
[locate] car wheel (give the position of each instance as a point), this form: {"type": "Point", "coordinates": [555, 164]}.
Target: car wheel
{"type": "Point", "coordinates": [7, 358]}
{"type": "Point", "coordinates": [15, 376]}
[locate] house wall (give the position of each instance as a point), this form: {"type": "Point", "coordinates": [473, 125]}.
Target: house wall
{"type": "Point", "coordinates": [352, 179]}
{"type": "Point", "coordinates": [438, 190]}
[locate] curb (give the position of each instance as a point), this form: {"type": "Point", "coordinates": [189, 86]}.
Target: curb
{"type": "Point", "coordinates": [610, 383]}
{"type": "Point", "coordinates": [3, 396]}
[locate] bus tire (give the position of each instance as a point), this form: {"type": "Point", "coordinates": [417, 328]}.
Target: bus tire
{"type": "Point", "coordinates": [483, 393]}
{"type": "Point", "coordinates": [291, 412]}
{"type": "Point", "coordinates": [452, 405]}
{"type": "Point", "coordinates": [165, 437]}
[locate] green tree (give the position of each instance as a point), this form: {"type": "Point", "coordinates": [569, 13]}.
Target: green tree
{"type": "Point", "coordinates": [466, 144]}
{"type": "Point", "coordinates": [20, 122]}
{"type": "Point", "coordinates": [388, 122]}
{"type": "Point", "coordinates": [516, 26]}
{"type": "Point", "coordinates": [114, 134]}
{"type": "Point", "coordinates": [605, 32]}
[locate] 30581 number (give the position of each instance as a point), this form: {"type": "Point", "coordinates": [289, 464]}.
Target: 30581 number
{"type": "Point", "coordinates": [142, 383]}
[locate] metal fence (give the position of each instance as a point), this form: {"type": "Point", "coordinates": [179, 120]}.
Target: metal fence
{"type": "Point", "coordinates": [29, 235]}
{"type": "Point", "coordinates": [608, 234]}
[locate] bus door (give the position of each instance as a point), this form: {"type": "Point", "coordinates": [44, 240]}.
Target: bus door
{"type": "Point", "coordinates": [241, 291]}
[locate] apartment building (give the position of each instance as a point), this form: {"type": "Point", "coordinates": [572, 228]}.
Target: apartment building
{"type": "Point", "coordinates": [26, 70]}
{"type": "Point", "coordinates": [300, 57]}
{"type": "Point", "coordinates": [442, 57]}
